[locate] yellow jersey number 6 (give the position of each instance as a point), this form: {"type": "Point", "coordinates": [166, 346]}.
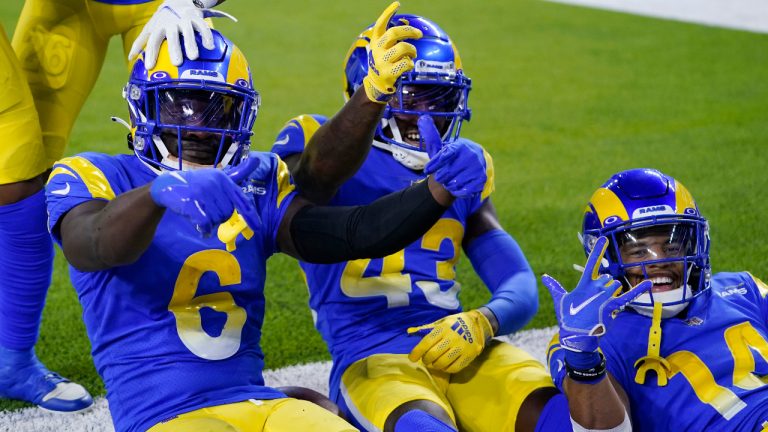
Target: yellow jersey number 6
{"type": "Point", "coordinates": [186, 307]}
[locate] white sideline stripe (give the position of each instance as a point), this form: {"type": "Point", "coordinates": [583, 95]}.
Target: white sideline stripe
{"type": "Point", "coordinates": [748, 15]}
{"type": "Point", "coordinates": [311, 375]}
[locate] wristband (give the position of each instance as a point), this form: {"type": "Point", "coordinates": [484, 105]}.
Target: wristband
{"type": "Point", "coordinates": [591, 375]}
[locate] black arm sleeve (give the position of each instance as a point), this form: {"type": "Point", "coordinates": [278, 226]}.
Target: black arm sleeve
{"type": "Point", "coordinates": [327, 235]}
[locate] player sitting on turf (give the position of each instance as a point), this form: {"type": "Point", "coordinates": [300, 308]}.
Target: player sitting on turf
{"type": "Point", "coordinates": [174, 317]}
{"type": "Point", "coordinates": [405, 355]}
{"type": "Point", "coordinates": [60, 47]}
{"type": "Point", "coordinates": [691, 353]}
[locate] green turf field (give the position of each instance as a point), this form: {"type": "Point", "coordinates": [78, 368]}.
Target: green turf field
{"type": "Point", "coordinates": [562, 97]}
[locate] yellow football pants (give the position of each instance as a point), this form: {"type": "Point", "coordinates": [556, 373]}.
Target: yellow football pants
{"type": "Point", "coordinates": [61, 46]}
{"type": "Point", "coordinates": [484, 396]}
{"type": "Point", "coordinates": [22, 155]}
{"type": "Point", "coordinates": [278, 415]}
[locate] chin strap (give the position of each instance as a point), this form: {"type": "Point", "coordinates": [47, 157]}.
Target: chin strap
{"type": "Point", "coordinates": [653, 361]}
{"type": "Point", "coordinates": [414, 158]}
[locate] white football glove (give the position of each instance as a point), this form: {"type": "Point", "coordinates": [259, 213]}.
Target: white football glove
{"type": "Point", "coordinates": [172, 18]}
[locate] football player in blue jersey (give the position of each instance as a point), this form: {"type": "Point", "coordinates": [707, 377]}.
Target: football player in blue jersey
{"type": "Point", "coordinates": [405, 355]}
{"type": "Point", "coordinates": [60, 46]}
{"type": "Point", "coordinates": [690, 352]}
{"type": "Point", "coordinates": [168, 247]}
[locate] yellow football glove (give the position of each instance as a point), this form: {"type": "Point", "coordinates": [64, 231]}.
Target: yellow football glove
{"type": "Point", "coordinates": [453, 342]}
{"type": "Point", "coordinates": [388, 56]}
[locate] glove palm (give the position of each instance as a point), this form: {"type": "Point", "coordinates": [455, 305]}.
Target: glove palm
{"type": "Point", "coordinates": [388, 56]}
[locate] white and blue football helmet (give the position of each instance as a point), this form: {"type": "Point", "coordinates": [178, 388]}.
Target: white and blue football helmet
{"type": "Point", "coordinates": [436, 86]}
{"type": "Point", "coordinates": [197, 114]}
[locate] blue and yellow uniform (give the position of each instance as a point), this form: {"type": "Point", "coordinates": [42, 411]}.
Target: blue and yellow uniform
{"type": "Point", "coordinates": [715, 360]}
{"type": "Point", "coordinates": [60, 45]}
{"type": "Point", "coordinates": [179, 329]}
{"type": "Point", "coordinates": [364, 307]}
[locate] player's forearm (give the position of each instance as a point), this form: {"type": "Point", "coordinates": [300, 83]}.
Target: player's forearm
{"type": "Point", "coordinates": [500, 263]}
{"type": "Point", "coordinates": [118, 234]}
{"type": "Point", "coordinates": [126, 227]}
{"type": "Point", "coordinates": [337, 149]}
{"type": "Point", "coordinates": [335, 234]}
{"type": "Point", "coordinates": [594, 406]}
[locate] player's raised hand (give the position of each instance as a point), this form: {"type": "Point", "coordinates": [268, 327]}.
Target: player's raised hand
{"type": "Point", "coordinates": [459, 166]}
{"type": "Point", "coordinates": [585, 313]}
{"type": "Point", "coordinates": [174, 18]}
{"type": "Point", "coordinates": [207, 197]}
{"type": "Point", "coordinates": [451, 343]}
{"type": "Point", "coordinates": [388, 56]}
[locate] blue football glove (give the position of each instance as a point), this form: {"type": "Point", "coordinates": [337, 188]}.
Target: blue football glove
{"type": "Point", "coordinates": [459, 166]}
{"type": "Point", "coordinates": [207, 197]}
{"type": "Point", "coordinates": [585, 313]}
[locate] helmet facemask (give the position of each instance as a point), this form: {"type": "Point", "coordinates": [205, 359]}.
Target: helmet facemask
{"type": "Point", "coordinates": [672, 252]}
{"type": "Point", "coordinates": [184, 125]}
{"type": "Point", "coordinates": [442, 98]}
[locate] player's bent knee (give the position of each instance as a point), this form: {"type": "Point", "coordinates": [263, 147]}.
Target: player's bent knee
{"type": "Point", "coordinates": [309, 395]}
{"type": "Point", "coordinates": [296, 414]}
{"type": "Point", "coordinates": [420, 421]}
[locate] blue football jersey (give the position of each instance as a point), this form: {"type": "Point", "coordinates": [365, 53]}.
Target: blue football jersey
{"type": "Point", "coordinates": [179, 329]}
{"type": "Point", "coordinates": [717, 355]}
{"type": "Point", "coordinates": [365, 306]}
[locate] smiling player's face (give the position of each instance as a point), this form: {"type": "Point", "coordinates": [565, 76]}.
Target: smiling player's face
{"type": "Point", "coordinates": [427, 99]}
{"type": "Point", "coordinates": [653, 244]}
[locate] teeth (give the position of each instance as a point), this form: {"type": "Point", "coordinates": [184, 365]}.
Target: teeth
{"type": "Point", "coordinates": [661, 280]}
{"type": "Point", "coordinates": [413, 136]}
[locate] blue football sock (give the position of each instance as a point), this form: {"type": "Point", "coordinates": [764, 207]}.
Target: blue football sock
{"type": "Point", "coordinates": [420, 421]}
{"type": "Point", "coordinates": [26, 265]}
